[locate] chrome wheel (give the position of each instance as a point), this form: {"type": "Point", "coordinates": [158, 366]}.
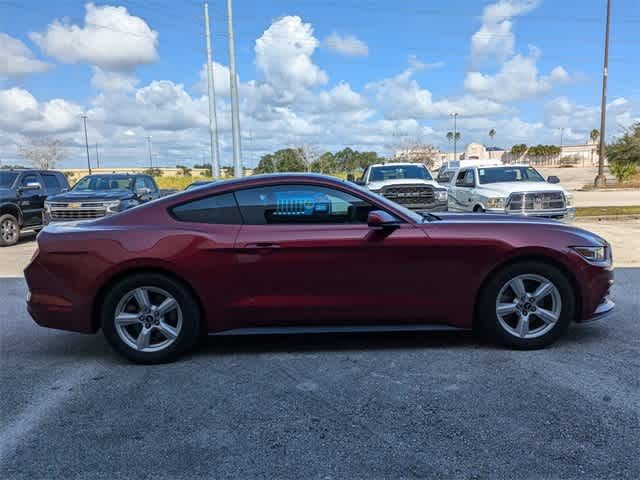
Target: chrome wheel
{"type": "Point", "coordinates": [148, 319]}
{"type": "Point", "coordinates": [9, 230]}
{"type": "Point", "coordinates": [528, 306]}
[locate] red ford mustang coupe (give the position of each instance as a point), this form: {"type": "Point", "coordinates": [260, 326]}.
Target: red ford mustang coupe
{"type": "Point", "coordinates": [292, 253]}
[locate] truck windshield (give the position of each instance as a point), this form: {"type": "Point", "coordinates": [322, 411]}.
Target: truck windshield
{"type": "Point", "coordinates": [104, 182]}
{"type": "Point", "coordinates": [394, 172]}
{"type": "Point", "coordinates": [7, 179]}
{"type": "Point", "coordinates": [509, 174]}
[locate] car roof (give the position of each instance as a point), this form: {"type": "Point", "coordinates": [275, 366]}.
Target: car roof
{"type": "Point", "coordinates": [396, 164]}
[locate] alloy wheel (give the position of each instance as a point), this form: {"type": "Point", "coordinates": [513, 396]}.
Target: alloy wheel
{"type": "Point", "coordinates": [9, 230]}
{"type": "Point", "coordinates": [528, 306]}
{"type": "Point", "coordinates": [148, 319]}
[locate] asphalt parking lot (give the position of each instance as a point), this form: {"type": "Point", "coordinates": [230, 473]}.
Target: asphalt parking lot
{"type": "Point", "coordinates": [437, 405]}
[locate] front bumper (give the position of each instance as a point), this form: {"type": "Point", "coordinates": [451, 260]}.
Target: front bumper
{"type": "Point", "coordinates": [566, 215]}
{"type": "Point", "coordinates": [603, 310]}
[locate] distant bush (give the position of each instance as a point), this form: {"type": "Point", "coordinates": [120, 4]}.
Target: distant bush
{"type": "Point", "coordinates": [154, 172]}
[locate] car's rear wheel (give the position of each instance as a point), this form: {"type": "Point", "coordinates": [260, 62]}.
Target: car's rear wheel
{"type": "Point", "coordinates": [526, 305]}
{"type": "Point", "coordinates": [150, 318]}
{"type": "Point", "coordinates": [9, 230]}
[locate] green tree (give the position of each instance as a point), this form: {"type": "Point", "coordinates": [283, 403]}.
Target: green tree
{"type": "Point", "coordinates": [624, 154]}
{"type": "Point", "coordinates": [449, 137]}
{"type": "Point", "coordinates": [284, 160]}
{"type": "Point", "coordinates": [184, 170]}
{"type": "Point", "coordinates": [594, 135]}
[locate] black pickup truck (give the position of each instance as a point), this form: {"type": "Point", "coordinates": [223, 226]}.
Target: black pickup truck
{"type": "Point", "coordinates": [22, 196]}
{"type": "Point", "coordinates": [95, 196]}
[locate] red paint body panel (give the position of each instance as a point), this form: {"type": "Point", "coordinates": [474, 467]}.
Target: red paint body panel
{"type": "Point", "coordinates": [274, 275]}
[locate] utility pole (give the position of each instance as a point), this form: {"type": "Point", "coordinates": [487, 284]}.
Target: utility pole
{"type": "Point", "coordinates": [600, 178]}
{"type": "Point", "coordinates": [213, 121]}
{"type": "Point", "coordinates": [455, 136]}
{"type": "Point", "coordinates": [97, 157]}
{"type": "Point", "coordinates": [150, 157]}
{"type": "Point", "coordinates": [235, 114]}
{"type": "Point", "coordinates": [86, 142]}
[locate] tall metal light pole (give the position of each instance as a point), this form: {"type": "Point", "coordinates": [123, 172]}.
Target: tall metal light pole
{"type": "Point", "coordinates": [150, 157]}
{"type": "Point", "coordinates": [455, 136]}
{"type": "Point", "coordinates": [600, 178]}
{"type": "Point", "coordinates": [235, 114]}
{"type": "Point", "coordinates": [97, 157]}
{"type": "Point", "coordinates": [213, 121]}
{"type": "Point", "coordinates": [561, 137]}
{"type": "Point", "coordinates": [86, 142]}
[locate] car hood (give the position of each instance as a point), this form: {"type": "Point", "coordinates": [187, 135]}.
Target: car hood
{"type": "Point", "coordinates": [7, 193]}
{"type": "Point", "coordinates": [507, 188]}
{"type": "Point", "coordinates": [91, 195]}
{"type": "Point", "coordinates": [402, 181]}
{"type": "Point", "coordinates": [580, 236]}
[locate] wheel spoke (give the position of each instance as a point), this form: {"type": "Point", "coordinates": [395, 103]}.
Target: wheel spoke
{"type": "Point", "coordinates": [546, 316]}
{"type": "Point", "coordinates": [125, 319]}
{"type": "Point", "coordinates": [523, 326]}
{"type": "Point", "coordinates": [517, 285]}
{"type": "Point", "coordinates": [142, 297]}
{"type": "Point", "coordinates": [506, 308]}
{"type": "Point", "coordinates": [167, 330]}
{"type": "Point", "coordinates": [166, 306]}
{"type": "Point", "coordinates": [543, 290]}
{"type": "Point", "coordinates": [143, 338]}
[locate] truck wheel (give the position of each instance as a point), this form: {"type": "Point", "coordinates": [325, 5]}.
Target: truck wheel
{"type": "Point", "coordinates": [150, 318]}
{"type": "Point", "coordinates": [9, 230]}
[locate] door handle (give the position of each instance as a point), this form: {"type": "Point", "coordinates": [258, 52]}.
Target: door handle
{"type": "Point", "coordinates": [262, 245]}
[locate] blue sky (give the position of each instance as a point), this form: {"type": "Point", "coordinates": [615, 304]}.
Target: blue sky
{"type": "Point", "coordinates": [373, 74]}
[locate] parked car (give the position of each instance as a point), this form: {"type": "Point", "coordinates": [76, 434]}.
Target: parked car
{"type": "Point", "coordinates": [22, 197]}
{"type": "Point", "coordinates": [294, 253]}
{"type": "Point", "coordinates": [199, 183]}
{"type": "Point", "coordinates": [96, 196]}
{"type": "Point", "coordinates": [511, 189]}
{"type": "Point", "coordinates": [409, 184]}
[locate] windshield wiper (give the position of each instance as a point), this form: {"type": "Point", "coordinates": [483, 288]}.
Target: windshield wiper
{"type": "Point", "coordinates": [429, 216]}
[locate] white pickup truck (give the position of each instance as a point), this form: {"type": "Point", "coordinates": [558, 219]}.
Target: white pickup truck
{"type": "Point", "coordinates": [510, 189]}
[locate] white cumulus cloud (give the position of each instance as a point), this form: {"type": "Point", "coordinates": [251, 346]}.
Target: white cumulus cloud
{"type": "Point", "coordinates": [348, 45]}
{"type": "Point", "coordinates": [16, 59]}
{"type": "Point", "coordinates": [111, 38]}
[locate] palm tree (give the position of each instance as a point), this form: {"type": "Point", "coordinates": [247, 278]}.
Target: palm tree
{"type": "Point", "coordinates": [449, 136]}
{"type": "Point", "coordinates": [593, 135]}
{"type": "Point", "coordinates": [492, 133]}
{"type": "Point", "coordinates": [457, 136]}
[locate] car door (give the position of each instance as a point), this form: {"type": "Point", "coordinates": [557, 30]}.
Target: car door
{"type": "Point", "coordinates": [463, 190]}
{"type": "Point", "coordinates": [307, 256]}
{"type": "Point", "coordinates": [31, 200]}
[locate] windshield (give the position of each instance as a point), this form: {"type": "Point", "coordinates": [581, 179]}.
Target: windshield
{"type": "Point", "coordinates": [509, 174]}
{"type": "Point", "coordinates": [104, 182]}
{"type": "Point", "coordinates": [395, 172]}
{"type": "Point", "coordinates": [416, 217]}
{"type": "Point", "coordinates": [7, 179]}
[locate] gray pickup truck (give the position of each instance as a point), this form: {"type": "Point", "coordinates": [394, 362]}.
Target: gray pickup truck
{"type": "Point", "coordinates": [95, 196]}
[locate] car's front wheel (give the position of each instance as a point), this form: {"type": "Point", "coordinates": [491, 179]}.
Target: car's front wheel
{"type": "Point", "coordinates": [9, 230]}
{"type": "Point", "coordinates": [526, 305]}
{"type": "Point", "coordinates": [150, 318]}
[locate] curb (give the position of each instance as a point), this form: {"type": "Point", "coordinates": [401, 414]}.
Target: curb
{"type": "Point", "coordinates": [607, 218]}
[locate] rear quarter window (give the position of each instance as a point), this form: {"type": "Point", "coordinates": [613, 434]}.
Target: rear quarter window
{"type": "Point", "coordinates": [216, 209]}
{"type": "Point", "coordinates": [51, 181]}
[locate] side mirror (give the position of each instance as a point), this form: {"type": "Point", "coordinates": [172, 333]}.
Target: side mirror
{"type": "Point", "coordinates": [143, 191]}
{"type": "Point", "coordinates": [31, 186]}
{"type": "Point", "coordinates": [351, 178]}
{"type": "Point", "coordinates": [381, 220]}
{"type": "Point", "coordinates": [553, 179]}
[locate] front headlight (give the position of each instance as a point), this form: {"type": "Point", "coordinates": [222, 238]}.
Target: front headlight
{"type": "Point", "coordinates": [495, 203]}
{"type": "Point", "coordinates": [112, 207]}
{"type": "Point", "coordinates": [568, 199]}
{"type": "Point", "coordinates": [600, 256]}
{"type": "Point", "coordinates": [441, 195]}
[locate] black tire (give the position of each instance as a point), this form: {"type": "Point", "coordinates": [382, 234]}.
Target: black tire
{"type": "Point", "coordinates": [191, 317]}
{"type": "Point", "coordinates": [490, 327]}
{"type": "Point", "coordinates": [9, 230]}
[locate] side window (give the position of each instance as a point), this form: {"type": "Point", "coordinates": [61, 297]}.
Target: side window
{"type": "Point", "coordinates": [29, 178]}
{"type": "Point", "coordinates": [50, 181]}
{"type": "Point", "coordinates": [217, 209]}
{"type": "Point", "coordinates": [469, 180]}
{"type": "Point", "coordinates": [300, 204]}
{"type": "Point", "coordinates": [460, 178]}
{"type": "Point", "coordinates": [139, 183]}
{"type": "Point", "coordinates": [149, 184]}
